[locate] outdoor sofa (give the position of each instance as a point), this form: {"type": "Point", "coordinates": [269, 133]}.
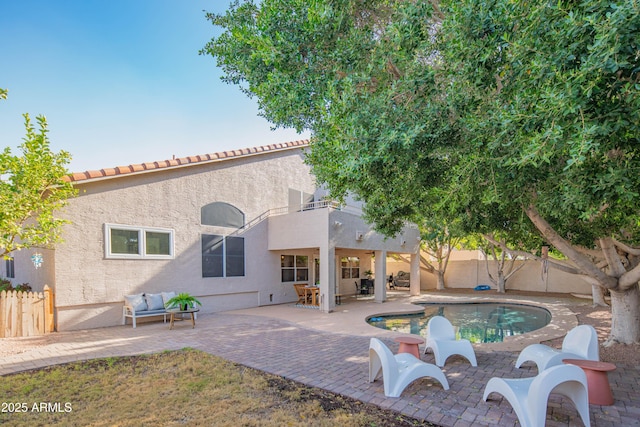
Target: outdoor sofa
{"type": "Point", "coordinates": [145, 305]}
{"type": "Point", "coordinates": [401, 279]}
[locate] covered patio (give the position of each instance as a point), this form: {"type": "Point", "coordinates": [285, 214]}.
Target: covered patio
{"type": "Point", "coordinates": [335, 234]}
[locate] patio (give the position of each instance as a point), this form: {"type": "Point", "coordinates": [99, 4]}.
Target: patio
{"type": "Point", "coordinates": [268, 338]}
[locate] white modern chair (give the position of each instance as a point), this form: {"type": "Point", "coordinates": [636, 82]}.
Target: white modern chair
{"type": "Point", "coordinates": [400, 370]}
{"type": "Point", "coordinates": [529, 396]}
{"type": "Point", "coordinates": [441, 338]}
{"type": "Point", "coordinates": [581, 342]}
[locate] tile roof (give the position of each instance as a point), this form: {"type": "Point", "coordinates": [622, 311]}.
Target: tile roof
{"type": "Point", "coordinates": [182, 162]}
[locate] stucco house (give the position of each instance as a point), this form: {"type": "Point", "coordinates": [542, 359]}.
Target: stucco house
{"type": "Point", "coordinates": [235, 229]}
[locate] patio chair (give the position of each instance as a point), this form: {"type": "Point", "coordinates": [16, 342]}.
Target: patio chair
{"type": "Point", "coordinates": [361, 289]}
{"type": "Point", "coordinates": [529, 396]}
{"type": "Point", "coordinates": [581, 342]}
{"type": "Point", "coordinates": [441, 338]}
{"type": "Point", "coordinates": [400, 370]}
{"type": "Point", "coordinates": [302, 296]}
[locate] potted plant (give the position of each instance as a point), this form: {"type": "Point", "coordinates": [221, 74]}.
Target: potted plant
{"type": "Point", "coordinates": [183, 301]}
{"type": "Point", "coordinates": [369, 274]}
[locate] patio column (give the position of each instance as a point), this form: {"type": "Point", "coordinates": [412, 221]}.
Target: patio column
{"type": "Point", "coordinates": [327, 278]}
{"type": "Point", "coordinates": [414, 278]}
{"type": "Point", "coordinates": [380, 284]}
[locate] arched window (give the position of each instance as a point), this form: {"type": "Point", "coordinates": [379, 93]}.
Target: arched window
{"type": "Point", "coordinates": [222, 215]}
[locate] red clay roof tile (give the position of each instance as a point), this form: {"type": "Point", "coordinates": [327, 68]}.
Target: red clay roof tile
{"type": "Point", "coordinates": [176, 162]}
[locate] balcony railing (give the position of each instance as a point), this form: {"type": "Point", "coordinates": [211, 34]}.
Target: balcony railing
{"type": "Point", "coordinates": [322, 204]}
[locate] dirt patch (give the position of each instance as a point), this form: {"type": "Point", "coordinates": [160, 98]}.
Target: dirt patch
{"type": "Point", "coordinates": [296, 392]}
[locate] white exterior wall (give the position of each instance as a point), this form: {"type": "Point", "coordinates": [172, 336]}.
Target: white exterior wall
{"type": "Point", "coordinates": [89, 289]}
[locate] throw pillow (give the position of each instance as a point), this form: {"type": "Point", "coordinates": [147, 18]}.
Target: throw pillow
{"type": "Point", "coordinates": [154, 301]}
{"type": "Point", "coordinates": [136, 302]}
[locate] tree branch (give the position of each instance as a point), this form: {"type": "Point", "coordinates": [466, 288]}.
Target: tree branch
{"type": "Point", "coordinates": [486, 263]}
{"type": "Point", "coordinates": [593, 253]}
{"type": "Point", "coordinates": [583, 264]}
{"type": "Point", "coordinates": [427, 265]}
{"type": "Point", "coordinates": [626, 248]}
{"type": "Point", "coordinates": [424, 263]}
{"type": "Point", "coordinates": [512, 271]}
{"type": "Point", "coordinates": [630, 278]}
{"type": "Point", "coordinates": [616, 268]}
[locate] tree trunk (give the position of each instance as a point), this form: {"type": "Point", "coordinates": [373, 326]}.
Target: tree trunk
{"type": "Point", "coordinates": [502, 284]}
{"type": "Point", "coordinates": [625, 316]}
{"type": "Point", "coordinates": [597, 293]}
{"type": "Point", "coordinates": [440, 280]}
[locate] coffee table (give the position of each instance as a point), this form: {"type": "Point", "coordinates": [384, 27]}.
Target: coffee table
{"type": "Point", "coordinates": [191, 311]}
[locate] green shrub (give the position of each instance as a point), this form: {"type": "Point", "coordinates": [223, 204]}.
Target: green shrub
{"type": "Point", "coordinates": [23, 287]}
{"type": "Point", "coordinates": [5, 285]}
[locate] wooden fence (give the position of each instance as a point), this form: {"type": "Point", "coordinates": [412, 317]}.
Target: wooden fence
{"type": "Point", "coordinates": [25, 314]}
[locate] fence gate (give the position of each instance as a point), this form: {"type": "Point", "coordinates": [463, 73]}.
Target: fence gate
{"type": "Point", "coordinates": [25, 314]}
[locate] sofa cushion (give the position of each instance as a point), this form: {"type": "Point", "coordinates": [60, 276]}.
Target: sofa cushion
{"type": "Point", "coordinates": [136, 302]}
{"type": "Point", "coordinates": [154, 301]}
{"type": "Point", "coordinates": [166, 296]}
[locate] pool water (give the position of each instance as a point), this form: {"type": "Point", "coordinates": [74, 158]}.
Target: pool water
{"type": "Point", "coordinates": [477, 322]}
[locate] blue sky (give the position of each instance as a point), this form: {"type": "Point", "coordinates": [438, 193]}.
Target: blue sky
{"type": "Point", "coordinates": [121, 81]}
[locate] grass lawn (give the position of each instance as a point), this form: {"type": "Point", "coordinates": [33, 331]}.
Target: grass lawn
{"type": "Point", "coordinates": [186, 387]}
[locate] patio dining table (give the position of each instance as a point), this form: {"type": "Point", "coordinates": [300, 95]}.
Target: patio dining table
{"type": "Point", "coordinates": [313, 292]}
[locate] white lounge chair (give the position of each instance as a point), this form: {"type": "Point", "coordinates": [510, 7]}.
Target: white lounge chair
{"type": "Point", "coordinates": [529, 396]}
{"type": "Point", "coordinates": [581, 342]}
{"type": "Point", "coordinates": [441, 338]}
{"type": "Point", "coordinates": [400, 370]}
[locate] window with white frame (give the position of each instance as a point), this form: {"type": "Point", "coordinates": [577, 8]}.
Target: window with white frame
{"type": "Point", "coordinates": [350, 267]}
{"type": "Point", "coordinates": [295, 268]}
{"type": "Point", "coordinates": [132, 242]}
{"type": "Point", "coordinates": [222, 256]}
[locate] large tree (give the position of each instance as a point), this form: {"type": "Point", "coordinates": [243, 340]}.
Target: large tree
{"type": "Point", "coordinates": [32, 188]}
{"type": "Point", "coordinates": [522, 114]}
{"type": "Point", "coordinates": [555, 114]}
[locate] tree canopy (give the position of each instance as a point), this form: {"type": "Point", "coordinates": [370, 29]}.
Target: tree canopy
{"type": "Point", "coordinates": [31, 189]}
{"type": "Point", "coordinates": [520, 117]}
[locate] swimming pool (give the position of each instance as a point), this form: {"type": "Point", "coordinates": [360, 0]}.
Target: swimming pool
{"type": "Point", "coordinates": [480, 322]}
